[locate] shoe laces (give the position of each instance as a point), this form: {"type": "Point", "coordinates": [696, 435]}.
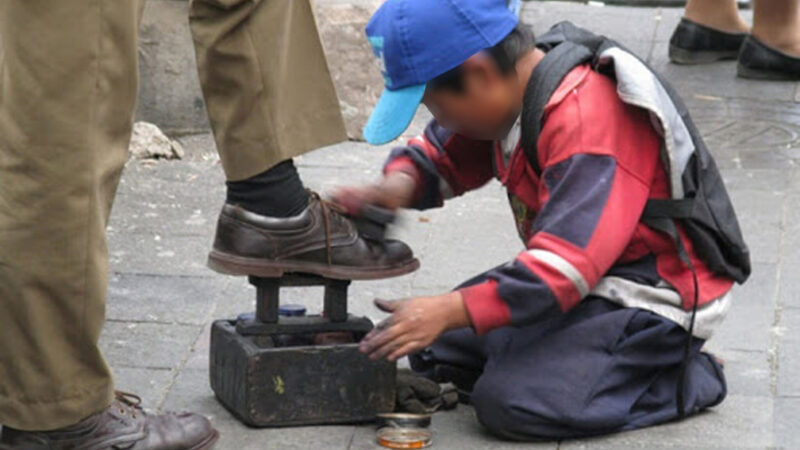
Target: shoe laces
{"type": "Point", "coordinates": [327, 209]}
{"type": "Point", "coordinates": [335, 208]}
{"type": "Point", "coordinates": [131, 401]}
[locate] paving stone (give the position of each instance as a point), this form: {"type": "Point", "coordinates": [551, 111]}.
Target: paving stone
{"type": "Point", "coordinates": [750, 319]}
{"type": "Point", "coordinates": [156, 200]}
{"type": "Point", "coordinates": [710, 114]}
{"type": "Point", "coordinates": [325, 179]}
{"type": "Point", "coordinates": [199, 147]}
{"type": "Point", "coordinates": [238, 296]}
{"type": "Point", "coordinates": [760, 215]}
{"type": "Point", "coordinates": [789, 353]}
{"type": "Point", "coordinates": [747, 372]}
{"type": "Point", "coordinates": [632, 27]}
{"type": "Point", "coordinates": [151, 177]}
{"type": "Point", "coordinates": [471, 234]}
{"type": "Point", "coordinates": [668, 19]}
{"type": "Point", "coordinates": [347, 155]}
{"type": "Point", "coordinates": [160, 254]}
{"type": "Point", "coordinates": [149, 384]}
{"type": "Point", "coordinates": [199, 354]}
{"type": "Point", "coordinates": [165, 217]}
{"type": "Point", "coordinates": [786, 412]}
{"type": "Point", "coordinates": [147, 345]}
{"type": "Point", "coordinates": [165, 299]}
{"type": "Point", "coordinates": [739, 422]}
{"type": "Point", "coordinates": [191, 391]}
{"type": "Point", "coordinates": [748, 134]}
{"type": "Point", "coordinates": [789, 283]}
{"type": "Point", "coordinates": [770, 180]}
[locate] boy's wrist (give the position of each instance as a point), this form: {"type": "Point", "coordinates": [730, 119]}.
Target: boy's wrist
{"type": "Point", "coordinates": [457, 316]}
{"type": "Point", "coordinates": [397, 189]}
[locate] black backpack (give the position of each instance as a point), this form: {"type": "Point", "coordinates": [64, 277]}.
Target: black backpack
{"type": "Point", "coordinates": [704, 210]}
{"type": "Point", "coordinates": [699, 202]}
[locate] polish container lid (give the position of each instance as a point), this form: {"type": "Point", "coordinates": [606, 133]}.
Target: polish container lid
{"type": "Point", "coordinates": [292, 310]}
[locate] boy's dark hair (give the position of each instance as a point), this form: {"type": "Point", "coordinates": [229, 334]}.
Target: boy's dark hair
{"type": "Point", "coordinates": [505, 54]}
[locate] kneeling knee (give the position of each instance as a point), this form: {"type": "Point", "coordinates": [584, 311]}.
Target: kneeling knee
{"type": "Point", "coordinates": [497, 411]}
{"type": "Point", "coordinates": [510, 414]}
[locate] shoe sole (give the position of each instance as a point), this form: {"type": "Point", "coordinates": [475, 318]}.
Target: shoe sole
{"type": "Point", "coordinates": [237, 265]}
{"type": "Point", "coordinates": [689, 57]}
{"type": "Point", "coordinates": [208, 443]}
{"type": "Point", "coordinates": [761, 74]}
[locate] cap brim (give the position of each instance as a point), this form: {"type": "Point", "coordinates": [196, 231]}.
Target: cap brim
{"type": "Point", "coordinates": [393, 114]}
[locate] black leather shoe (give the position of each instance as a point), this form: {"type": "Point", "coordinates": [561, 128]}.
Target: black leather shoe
{"type": "Point", "coordinates": [692, 43]}
{"type": "Point", "coordinates": [761, 62]}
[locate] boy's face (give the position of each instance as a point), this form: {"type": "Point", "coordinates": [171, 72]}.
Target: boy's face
{"type": "Point", "coordinates": [486, 106]}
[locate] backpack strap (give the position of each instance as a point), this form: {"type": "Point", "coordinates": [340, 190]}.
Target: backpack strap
{"type": "Point", "coordinates": [667, 225]}
{"type": "Point", "coordinates": [545, 79]}
{"type": "Point", "coordinates": [669, 208]}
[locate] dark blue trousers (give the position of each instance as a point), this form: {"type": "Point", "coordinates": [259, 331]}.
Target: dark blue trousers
{"type": "Point", "coordinates": [598, 369]}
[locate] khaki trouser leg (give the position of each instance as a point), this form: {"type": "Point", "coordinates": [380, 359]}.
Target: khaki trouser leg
{"type": "Point", "coordinates": [265, 81]}
{"type": "Point", "coordinates": [68, 81]}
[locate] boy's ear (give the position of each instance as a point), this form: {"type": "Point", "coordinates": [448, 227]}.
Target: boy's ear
{"type": "Point", "coordinates": [480, 71]}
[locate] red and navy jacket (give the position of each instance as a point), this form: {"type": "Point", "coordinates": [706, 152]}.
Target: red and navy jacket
{"type": "Point", "coordinates": [580, 220]}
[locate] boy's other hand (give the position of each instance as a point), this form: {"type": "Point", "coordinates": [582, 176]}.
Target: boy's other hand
{"type": "Point", "coordinates": [395, 190]}
{"type": "Point", "coordinates": [414, 324]}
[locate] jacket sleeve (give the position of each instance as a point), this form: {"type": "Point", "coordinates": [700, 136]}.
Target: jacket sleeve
{"type": "Point", "coordinates": [443, 163]}
{"type": "Point", "coordinates": [591, 201]}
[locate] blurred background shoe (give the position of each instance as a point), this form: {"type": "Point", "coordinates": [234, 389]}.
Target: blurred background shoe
{"type": "Point", "coordinates": [762, 62]}
{"type": "Point", "coordinates": [693, 43]}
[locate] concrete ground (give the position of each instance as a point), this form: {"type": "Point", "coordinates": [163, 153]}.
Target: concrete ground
{"type": "Point", "coordinates": [162, 298]}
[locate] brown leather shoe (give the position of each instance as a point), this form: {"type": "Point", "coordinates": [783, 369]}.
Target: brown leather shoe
{"type": "Point", "coordinates": [123, 426]}
{"type": "Point", "coordinates": [320, 241]}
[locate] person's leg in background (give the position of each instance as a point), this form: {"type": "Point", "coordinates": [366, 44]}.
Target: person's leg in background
{"type": "Point", "coordinates": [772, 52]}
{"type": "Point", "coordinates": [270, 97]}
{"type": "Point", "coordinates": [722, 15]}
{"type": "Point", "coordinates": [777, 24]}
{"type": "Point", "coordinates": [710, 30]}
{"type": "Point", "coordinates": [68, 81]}
{"type": "Point", "coordinates": [713, 30]}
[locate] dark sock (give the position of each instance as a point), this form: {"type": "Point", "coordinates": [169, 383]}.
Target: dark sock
{"type": "Point", "coordinates": [277, 192]}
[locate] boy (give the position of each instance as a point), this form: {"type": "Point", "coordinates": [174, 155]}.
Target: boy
{"type": "Point", "coordinates": [589, 330]}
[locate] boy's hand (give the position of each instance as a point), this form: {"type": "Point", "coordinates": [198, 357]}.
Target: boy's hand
{"type": "Point", "coordinates": [395, 190]}
{"type": "Point", "coordinates": [414, 324]}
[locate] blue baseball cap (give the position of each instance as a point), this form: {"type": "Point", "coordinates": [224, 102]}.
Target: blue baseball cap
{"type": "Point", "coordinates": [418, 40]}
